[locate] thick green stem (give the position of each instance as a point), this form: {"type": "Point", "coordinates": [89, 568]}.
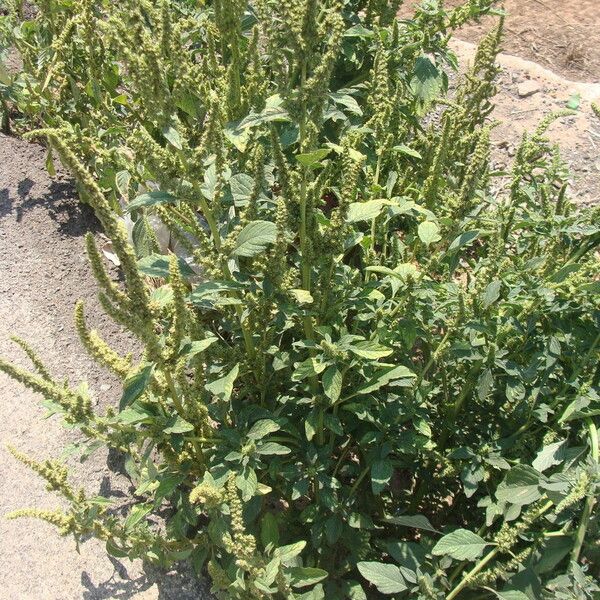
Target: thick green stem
{"type": "Point", "coordinates": [590, 500]}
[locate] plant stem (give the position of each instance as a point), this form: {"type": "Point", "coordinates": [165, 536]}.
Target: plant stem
{"type": "Point", "coordinates": [590, 500]}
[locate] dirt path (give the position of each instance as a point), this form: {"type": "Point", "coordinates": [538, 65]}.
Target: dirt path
{"type": "Point", "coordinates": [43, 271]}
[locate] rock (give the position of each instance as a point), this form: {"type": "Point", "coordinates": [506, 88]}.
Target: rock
{"type": "Point", "coordinates": [528, 88]}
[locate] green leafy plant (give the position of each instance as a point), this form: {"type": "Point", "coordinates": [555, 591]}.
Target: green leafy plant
{"type": "Point", "coordinates": [369, 362]}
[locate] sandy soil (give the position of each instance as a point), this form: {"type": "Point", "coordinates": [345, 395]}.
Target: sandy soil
{"type": "Point", "coordinates": [563, 35]}
{"type": "Point", "coordinates": [43, 271]}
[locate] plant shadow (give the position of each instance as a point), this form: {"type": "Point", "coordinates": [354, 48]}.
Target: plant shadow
{"type": "Point", "coordinates": [59, 199]}
{"type": "Point", "coordinates": [175, 584]}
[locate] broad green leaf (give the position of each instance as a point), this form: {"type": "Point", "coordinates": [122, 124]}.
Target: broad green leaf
{"type": "Point", "coordinates": [348, 101]}
{"type": "Point", "coordinates": [241, 186]}
{"type": "Point", "coordinates": [549, 456]}
{"type": "Point", "coordinates": [302, 296]}
{"type": "Point", "coordinates": [192, 348]}
{"type": "Point", "coordinates": [406, 150]}
{"type": "Point", "coordinates": [255, 238]}
{"type": "Point", "coordinates": [365, 211]}
{"type": "Point", "coordinates": [512, 595]}
{"type": "Point", "coordinates": [381, 473]}
{"type": "Point", "coordinates": [272, 448]}
{"type": "Point", "coordinates": [370, 349]}
{"type": "Point", "coordinates": [172, 136]}
{"type": "Point", "coordinates": [157, 265]}
{"type": "Point", "coordinates": [461, 544]}
{"type": "Point", "coordinates": [269, 530]}
{"type": "Point", "coordinates": [142, 237]}
{"type": "Point", "coordinates": [463, 240]}
{"type": "Point", "coordinates": [273, 111]}
{"type": "Point", "coordinates": [150, 199]}
{"type": "Point", "coordinates": [429, 232]}
{"type": "Point", "coordinates": [310, 159]}
{"type": "Point", "coordinates": [287, 553]}
{"type": "Point", "coordinates": [386, 578]}
{"type": "Point", "coordinates": [308, 368]}
{"type": "Point", "coordinates": [179, 425]}
{"type": "Point", "coordinates": [135, 385]}
{"type": "Point", "coordinates": [223, 387]}
{"type": "Point", "coordinates": [138, 512]}
{"type": "Point", "coordinates": [378, 381]}
{"type": "Point", "coordinates": [426, 82]}
{"type": "Point", "coordinates": [122, 180]}
{"type": "Point", "coordinates": [262, 428]}
{"type": "Point", "coordinates": [492, 293]}
{"type": "Point", "coordinates": [414, 521]}
{"type": "Point", "coordinates": [521, 486]}
{"type": "Point", "coordinates": [304, 576]}
{"type": "Point", "coordinates": [247, 482]}
{"type": "Point", "coordinates": [332, 383]}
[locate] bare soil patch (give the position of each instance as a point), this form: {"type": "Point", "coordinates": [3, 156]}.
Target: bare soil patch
{"type": "Point", "coordinates": [43, 272]}
{"type": "Point", "coordinates": [561, 35]}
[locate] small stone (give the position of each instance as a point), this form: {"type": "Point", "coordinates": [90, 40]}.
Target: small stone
{"type": "Point", "coordinates": [528, 88]}
{"type": "Point", "coordinates": [105, 387]}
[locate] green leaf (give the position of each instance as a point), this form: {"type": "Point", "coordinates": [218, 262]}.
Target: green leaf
{"type": "Point", "coordinates": [122, 180]}
{"type": "Point", "coordinates": [305, 576]}
{"type": "Point", "coordinates": [302, 296]}
{"type": "Point", "coordinates": [272, 448]}
{"type": "Point", "coordinates": [461, 544]}
{"type": "Point", "coordinates": [241, 186]}
{"type": "Point", "coordinates": [386, 578]}
{"type": "Point", "coordinates": [222, 388]}
{"type": "Point", "coordinates": [179, 425]}
{"type": "Point", "coordinates": [332, 383]}
{"type": "Point", "coordinates": [150, 199]}
{"type": "Point", "coordinates": [192, 348]}
{"type": "Point", "coordinates": [135, 385]}
{"type": "Point", "coordinates": [269, 530]}
{"type": "Point", "coordinates": [348, 101]}
{"type": "Point", "coordinates": [254, 238]}
{"type": "Point", "coordinates": [492, 293]}
{"type": "Point", "coordinates": [172, 136]}
{"type": "Point", "coordinates": [262, 428]}
{"type": "Point", "coordinates": [381, 473]}
{"type": "Point", "coordinates": [521, 486]}
{"type": "Point", "coordinates": [287, 553]}
{"type": "Point", "coordinates": [429, 232]}
{"type": "Point", "coordinates": [413, 521]}
{"type": "Point", "coordinates": [272, 112]}
{"type": "Point", "coordinates": [549, 456]}
{"type": "Point", "coordinates": [426, 82]}
{"type": "Point", "coordinates": [378, 381]}
{"type": "Point", "coordinates": [511, 595]}
{"type": "Point", "coordinates": [141, 235]}
{"type": "Point", "coordinates": [463, 240]}
{"type": "Point", "coordinates": [406, 150]}
{"type": "Point", "coordinates": [365, 211]}
{"type": "Point", "coordinates": [370, 349]}
{"type": "Point", "coordinates": [308, 368]}
{"type": "Point", "coordinates": [138, 512]}
{"type": "Point", "coordinates": [310, 159]}
{"type": "Point", "coordinates": [157, 265]}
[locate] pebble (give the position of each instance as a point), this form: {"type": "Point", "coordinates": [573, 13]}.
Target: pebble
{"type": "Point", "coordinates": [528, 88]}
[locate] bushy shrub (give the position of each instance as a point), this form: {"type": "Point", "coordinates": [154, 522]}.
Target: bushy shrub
{"type": "Point", "coordinates": [369, 361]}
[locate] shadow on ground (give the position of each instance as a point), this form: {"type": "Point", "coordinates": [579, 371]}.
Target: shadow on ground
{"type": "Point", "coordinates": [72, 218]}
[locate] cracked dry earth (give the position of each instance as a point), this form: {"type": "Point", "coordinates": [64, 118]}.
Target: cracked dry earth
{"type": "Point", "coordinates": [43, 271]}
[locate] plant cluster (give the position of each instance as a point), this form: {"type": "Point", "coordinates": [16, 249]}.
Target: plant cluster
{"type": "Point", "coordinates": [369, 361]}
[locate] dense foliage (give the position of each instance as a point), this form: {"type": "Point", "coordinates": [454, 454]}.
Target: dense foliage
{"type": "Point", "coordinates": [369, 362]}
